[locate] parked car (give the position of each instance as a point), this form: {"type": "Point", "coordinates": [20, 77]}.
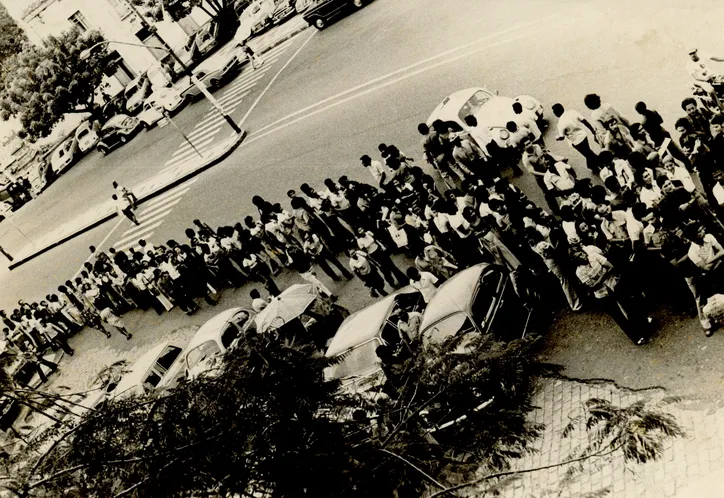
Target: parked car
{"type": "Point", "coordinates": [164, 99]}
{"type": "Point", "coordinates": [283, 10]}
{"type": "Point", "coordinates": [356, 341]}
{"type": "Point", "coordinates": [214, 73]}
{"type": "Point", "coordinates": [64, 156]}
{"type": "Point", "coordinates": [136, 92]}
{"type": "Point", "coordinates": [5, 210]}
{"type": "Point", "coordinates": [160, 367]}
{"type": "Point", "coordinates": [319, 13]}
{"type": "Point", "coordinates": [207, 39]}
{"type": "Point", "coordinates": [87, 135]}
{"type": "Point", "coordinates": [490, 110]}
{"type": "Point", "coordinates": [214, 338]}
{"type": "Point", "coordinates": [188, 53]}
{"type": "Point", "coordinates": [23, 373]}
{"type": "Point", "coordinates": [117, 131]}
{"type": "Point", "coordinates": [480, 299]}
{"type": "Point", "coordinates": [255, 18]}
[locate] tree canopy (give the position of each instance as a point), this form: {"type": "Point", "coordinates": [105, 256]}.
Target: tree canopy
{"type": "Point", "coordinates": [42, 84]}
{"type": "Point", "coordinates": [12, 37]}
{"type": "Point", "coordinates": [267, 423]}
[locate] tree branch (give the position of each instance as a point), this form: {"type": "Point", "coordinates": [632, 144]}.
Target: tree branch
{"type": "Point", "coordinates": [523, 471]}
{"type": "Point", "coordinates": [427, 476]}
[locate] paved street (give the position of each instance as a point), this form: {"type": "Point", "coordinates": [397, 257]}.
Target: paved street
{"type": "Point", "coordinates": [370, 78]}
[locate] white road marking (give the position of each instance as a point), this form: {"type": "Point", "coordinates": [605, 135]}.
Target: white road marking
{"type": "Point", "coordinates": [200, 129]}
{"type": "Point", "coordinates": [165, 210]}
{"type": "Point", "coordinates": [186, 147]}
{"type": "Point", "coordinates": [171, 193]}
{"type": "Point", "coordinates": [261, 133]}
{"type": "Point", "coordinates": [236, 100]}
{"type": "Point", "coordinates": [138, 234]}
{"type": "Point", "coordinates": [416, 64]}
{"type": "Point", "coordinates": [273, 80]}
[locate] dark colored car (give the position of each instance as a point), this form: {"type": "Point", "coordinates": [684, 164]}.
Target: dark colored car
{"type": "Point", "coordinates": [319, 13]}
{"type": "Point", "coordinates": [117, 131]}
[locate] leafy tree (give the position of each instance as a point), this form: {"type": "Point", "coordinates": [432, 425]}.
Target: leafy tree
{"type": "Point", "coordinates": [268, 423]}
{"type": "Point", "coordinates": [12, 37]}
{"type": "Point", "coordinates": [222, 11]}
{"type": "Point", "coordinates": [44, 83]}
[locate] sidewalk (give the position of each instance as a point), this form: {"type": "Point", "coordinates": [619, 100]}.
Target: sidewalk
{"type": "Point", "coordinates": [686, 468]}
{"type": "Point", "coordinates": [170, 177]}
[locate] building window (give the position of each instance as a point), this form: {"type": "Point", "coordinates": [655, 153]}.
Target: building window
{"type": "Point", "coordinates": [79, 20]}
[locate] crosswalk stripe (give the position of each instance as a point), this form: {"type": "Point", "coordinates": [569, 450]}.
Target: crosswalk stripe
{"type": "Point", "coordinates": [200, 137]}
{"type": "Point", "coordinates": [185, 146]}
{"type": "Point", "coordinates": [138, 233]}
{"type": "Point", "coordinates": [238, 99]}
{"type": "Point", "coordinates": [235, 93]}
{"type": "Point", "coordinates": [187, 154]}
{"type": "Point", "coordinates": [150, 213]}
{"type": "Point", "coordinates": [132, 243]}
{"type": "Point", "coordinates": [238, 88]}
{"type": "Point", "coordinates": [245, 81]}
{"type": "Point", "coordinates": [170, 193]}
{"type": "Point", "coordinates": [200, 128]}
{"type": "Point", "coordinates": [158, 215]}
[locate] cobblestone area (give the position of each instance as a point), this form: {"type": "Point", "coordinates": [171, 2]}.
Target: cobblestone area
{"type": "Point", "coordinates": [696, 458]}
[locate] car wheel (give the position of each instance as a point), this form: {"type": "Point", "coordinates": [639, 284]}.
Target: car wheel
{"type": "Point", "coordinates": [213, 84]}
{"type": "Point", "coordinates": [103, 151]}
{"type": "Point", "coordinates": [358, 3]}
{"type": "Point", "coordinates": [320, 23]}
{"type": "Point", "coordinates": [122, 139]}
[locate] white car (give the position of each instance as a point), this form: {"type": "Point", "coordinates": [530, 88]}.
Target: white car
{"type": "Point", "coordinates": [491, 111]}
{"type": "Point", "coordinates": [167, 98]}
{"type": "Point", "coordinates": [214, 338]}
{"type": "Point", "coordinates": [87, 136]}
{"type": "Point", "coordinates": [158, 368]}
{"type": "Point", "coordinates": [136, 93]}
{"type": "Point", "coordinates": [64, 155]}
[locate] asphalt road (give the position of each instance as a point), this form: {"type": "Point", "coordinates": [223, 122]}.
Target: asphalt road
{"type": "Point", "coordinates": [372, 76]}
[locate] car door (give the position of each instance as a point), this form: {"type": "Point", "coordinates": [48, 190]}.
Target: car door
{"type": "Point", "coordinates": [111, 136]}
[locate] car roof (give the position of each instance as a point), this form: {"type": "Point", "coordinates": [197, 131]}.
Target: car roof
{"type": "Point", "coordinates": [448, 109]}
{"type": "Point", "coordinates": [364, 324]}
{"type": "Point", "coordinates": [454, 295]}
{"type": "Point", "coordinates": [140, 368]}
{"type": "Point", "coordinates": [210, 330]}
{"type": "Point", "coordinates": [115, 120]}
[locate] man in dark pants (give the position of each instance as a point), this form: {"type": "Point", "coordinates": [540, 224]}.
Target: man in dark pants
{"type": "Point", "coordinates": [323, 257]}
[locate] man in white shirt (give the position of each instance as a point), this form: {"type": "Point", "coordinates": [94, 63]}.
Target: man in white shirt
{"type": "Point", "coordinates": [705, 251]}
{"type": "Point", "coordinates": [123, 208]}
{"type": "Point", "coordinates": [572, 126]}
{"type": "Point", "coordinates": [700, 71]}
{"type": "Point", "coordinates": [424, 282]}
{"type": "Point", "coordinates": [382, 173]}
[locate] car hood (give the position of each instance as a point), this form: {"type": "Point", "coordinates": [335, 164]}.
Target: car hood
{"type": "Point", "coordinates": [496, 112]}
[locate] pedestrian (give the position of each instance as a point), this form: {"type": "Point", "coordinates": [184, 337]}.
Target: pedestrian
{"type": "Point", "coordinates": [699, 121]}
{"type": "Point", "coordinates": [367, 272]}
{"type": "Point", "coordinates": [595, 272]}
{"type": "Point", "coordinates": [424, 282]}
{"type": "Point", "coordinates": [322, 256]}
{"type": "Point", "coordinates": [601, 113]}
{"type": "Point", "coordinates": [251, 56]}
{"type": "Point", "coordinates": [700, 71]}
{"type": "Point", "coordinates": [124, 208]}
{"type": "Point", "coordinates": [93, 320]}
{"type": "Point", "coordinates": [55, 336]}
{"type": "Point", "coordinates": [572, 126]}
{"type": "Point", "coordinates": [257, 303]}
{"type": "Point", "coordinates": [555, 266]}
{"type": "Point", "coordinates": [126, 194]}
{"type": "Point", "coordinates": [114, 320]}
{"type": "Point", "coordinates": [303, 265]}
{"type": "Point", "coordinates": [377, 253]}
{"type": "Point", "coordinates": [260, 272]}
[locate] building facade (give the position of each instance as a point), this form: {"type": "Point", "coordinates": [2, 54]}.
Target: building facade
{"type": "Point", "coordinates": [116, 20]}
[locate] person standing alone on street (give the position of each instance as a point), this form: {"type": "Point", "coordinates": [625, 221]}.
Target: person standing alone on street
{"type": "Point", "coordinates": [123, 207]}
{"type": "Point", "coordinates": [254, 59]}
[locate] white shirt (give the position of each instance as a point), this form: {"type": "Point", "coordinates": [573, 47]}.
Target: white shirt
{"type": "Point", "coordinates": [700, 70]}
{"type": "Point", "coordinates": [570, 125]}
{"type": "Point", "coordinates": [624, 173]}
{"type": "Point", "coordinates": [426, 285]}
{"type": "Point", "coordinates": [718, 192]}
{"type": "Point", "coordinates": [561, 180]}
{"type": "Point", "coordinates": [378, 169]}
{"type": "Point", "coordinates": [650, 195]}
{"type": "Point", "coordinates": [684, 177]}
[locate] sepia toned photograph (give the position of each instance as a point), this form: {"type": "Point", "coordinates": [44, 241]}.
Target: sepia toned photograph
{"type": "Point", "coordinates": [361, 249]}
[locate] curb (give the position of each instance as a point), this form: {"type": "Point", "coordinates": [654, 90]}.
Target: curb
{"type": "Point", "coordinates": [178, 181]}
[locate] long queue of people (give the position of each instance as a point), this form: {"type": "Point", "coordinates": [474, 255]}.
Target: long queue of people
{"type": "Point", "coordinates": [639, 226]}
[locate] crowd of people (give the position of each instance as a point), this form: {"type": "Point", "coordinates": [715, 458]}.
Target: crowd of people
{"type": "Point", "coordinates": [639, 231]}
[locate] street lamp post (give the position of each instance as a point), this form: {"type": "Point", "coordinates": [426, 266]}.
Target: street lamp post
{"type": "Point", "coordinates": [202, 88]}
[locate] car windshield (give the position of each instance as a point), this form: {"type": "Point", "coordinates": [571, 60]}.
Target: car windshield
{"type": "Point", "coordinates": [83, 133]}
{"type": "Point", "coordinates": [448, 327]}
{"type": "Point", "coordinates": [131, 91]}
{"type": "Point", "coordinates": [474, 104]}
{"type": "Point", "coordinates": [485, 297]}
{"type": "Point", "coordinates": [169, 356]}
{"type": "Point", "coordinates": [201, 352]}
{"type": "Point", "coordinates": [356, 362]}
